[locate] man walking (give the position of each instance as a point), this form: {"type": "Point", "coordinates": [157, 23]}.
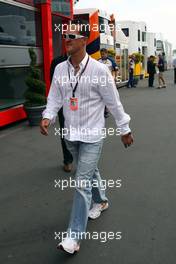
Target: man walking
{"type": "Point", "coordinates": [83, 97]}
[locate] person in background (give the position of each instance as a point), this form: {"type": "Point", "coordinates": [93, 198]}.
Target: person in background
{"type": "Point", "coordinates": [131, 71]}
{"type": "Point", "coordinates": [151, 69]}
{"type": "Point", "coordinates": [160, 66]}
{"type": "Point", "coordinates": [68, 159]}
{"type": "Point", "coordinates": [108, 61]}
{"type": "Point", "coordinates": [174, 65]}
{"type": "Point", "coordinates": [112, 66]}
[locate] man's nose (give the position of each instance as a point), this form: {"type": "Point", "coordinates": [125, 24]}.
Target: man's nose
{"type": "Point", "coordinates": [67, 40]}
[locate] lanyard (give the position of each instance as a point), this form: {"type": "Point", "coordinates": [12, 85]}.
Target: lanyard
{"type": "Point", "coordinates": [74, 89]}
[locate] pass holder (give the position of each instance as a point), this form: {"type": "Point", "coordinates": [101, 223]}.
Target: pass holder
{"type": "Point", "coordinates": [73, 99]}
{"type": "Point", "coordinates": [73, 103]}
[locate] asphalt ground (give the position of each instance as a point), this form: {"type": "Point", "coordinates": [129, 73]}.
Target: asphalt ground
{"type": "Point", "coordinates": [143, 209]}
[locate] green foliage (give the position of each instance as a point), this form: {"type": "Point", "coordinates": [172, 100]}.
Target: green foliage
{"type": "Point", "coordinates": [138, 57]}
{"type": "Point", "coordinates": [111, 52]}
{"type": "Point", "coordinates": [35, 94]}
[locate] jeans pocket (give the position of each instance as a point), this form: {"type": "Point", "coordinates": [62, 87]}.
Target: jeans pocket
{"type": "Point", "coordinates": [90, 152]}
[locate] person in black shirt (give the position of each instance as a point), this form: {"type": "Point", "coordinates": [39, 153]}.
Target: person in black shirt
{"type": "Point", "coordinates": [151, 70]}
{"type": "Point", "coordinates": [131, 66]}
{"type": "Point", "coordinates": [174, 66]}
{"type": "Point", "coordinates": [68, 159]}
{"type": "Point", "coordinates": [161, 80]}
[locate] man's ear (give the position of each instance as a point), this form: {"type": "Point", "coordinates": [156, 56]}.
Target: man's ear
{"type": "Point", "coordinates": [85, 40]}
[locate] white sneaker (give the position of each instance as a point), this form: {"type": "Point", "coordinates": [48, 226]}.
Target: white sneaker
{"type": "Point", "coordinates": [97, 208]}
{"type": "Point", "coordinates": [69, 245]}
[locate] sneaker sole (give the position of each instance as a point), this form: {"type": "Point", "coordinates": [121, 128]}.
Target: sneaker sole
{"type": "Point", "coordinates": [63, 249]}
{"type": "Point", "coordinates": [104, 209]}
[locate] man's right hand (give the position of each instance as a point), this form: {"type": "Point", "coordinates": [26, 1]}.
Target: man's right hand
{"type": "Point", "coordinates": [44, 124]}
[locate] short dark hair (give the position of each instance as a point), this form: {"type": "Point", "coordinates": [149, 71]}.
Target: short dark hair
{"type": "Point", "coordinates": [104, 50]}
{"type": "Point", "coordinates": [84, 28]}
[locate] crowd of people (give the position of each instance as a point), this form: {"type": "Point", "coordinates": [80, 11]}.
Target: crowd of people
{"type": "Point", "coordinates": [156, 66]}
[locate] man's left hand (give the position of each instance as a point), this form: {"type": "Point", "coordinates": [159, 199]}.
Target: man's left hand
{"type": "Point", "coordinates": [127, 140]}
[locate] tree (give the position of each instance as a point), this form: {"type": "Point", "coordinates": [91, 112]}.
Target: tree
{"type": "Point", "coordinates": [35, 94]}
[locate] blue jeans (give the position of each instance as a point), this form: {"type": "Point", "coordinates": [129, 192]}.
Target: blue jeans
{"type": "Point", "coordinates": [86, 157]}
{"type": "Point", "coordinates": [131, 79]}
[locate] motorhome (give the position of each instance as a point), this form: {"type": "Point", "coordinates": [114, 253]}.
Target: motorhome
{"type": "Point", "coordinates": [164, 48]}
{"type": "Point", "coordinates": [104, 33]}
{"type": "Point", "coordinates": [136, 32]}
{"type": "Point", "coordinates": [101, 35]}
{"type": "Point", "coordinates": [122, 54]}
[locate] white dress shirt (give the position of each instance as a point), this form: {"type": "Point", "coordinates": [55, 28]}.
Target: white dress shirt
{"type": "Point", "coordinates": [131, 64]}
{"type": "Point", "coordinates": [108, 63]}
{"type": "Point", "coordinates": [96, 89]}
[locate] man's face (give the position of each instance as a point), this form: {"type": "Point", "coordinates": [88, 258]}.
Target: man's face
{"type": "Point", "coordinates": [104, 55]}
{"type": "Point", "coordinates": [72, 46]}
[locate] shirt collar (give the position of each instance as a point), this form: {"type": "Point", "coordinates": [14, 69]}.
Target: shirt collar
{"type": "Point", "coordinates": [82, 63]}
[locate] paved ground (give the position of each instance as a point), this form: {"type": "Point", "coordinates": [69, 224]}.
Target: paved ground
{"type": "Point", "coordinates": [143, 209]}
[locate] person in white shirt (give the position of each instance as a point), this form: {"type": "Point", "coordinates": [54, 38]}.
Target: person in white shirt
{"type": "Point", "coordinates": [112, 66]}
{"type": "Point", "coordinates": [83, 86]}
{"type": "Point", "coordinates": [109, 62]}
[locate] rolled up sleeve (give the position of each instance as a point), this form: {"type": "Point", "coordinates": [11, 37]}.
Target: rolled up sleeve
{"type": "Point", "coordinates": [110, 96]}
